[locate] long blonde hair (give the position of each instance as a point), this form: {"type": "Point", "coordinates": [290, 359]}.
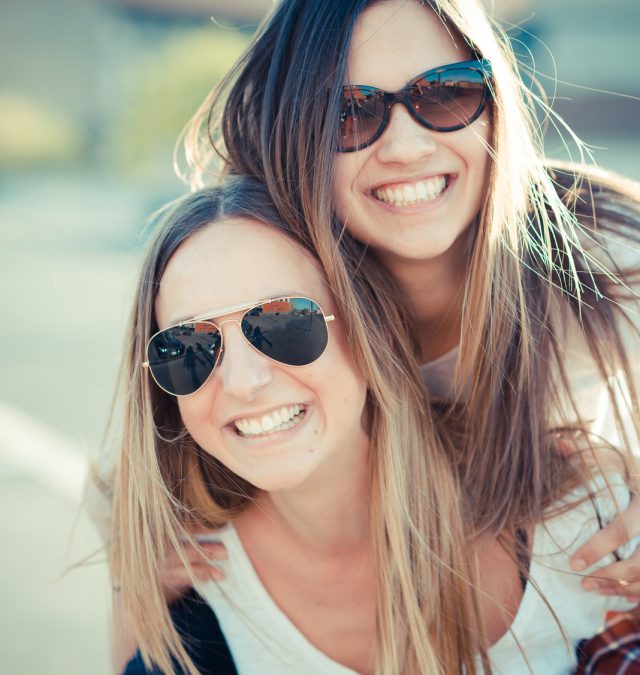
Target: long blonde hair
{"type": "Point", "coordinates": [539, 260]}
{"type": "Point", "coordinates": [165, 482]}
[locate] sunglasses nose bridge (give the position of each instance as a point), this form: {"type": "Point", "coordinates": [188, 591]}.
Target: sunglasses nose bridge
{"type": "Point", "coordinates": [221, 323]}
{"type": "Point", "coordinates": [403, 132]}
{"type": "Point", "coordinates": [243, 371]}
{"type": "Point", "coordinates": [404, 99]}
{"type": "Point", "coordinates": [391, 98]}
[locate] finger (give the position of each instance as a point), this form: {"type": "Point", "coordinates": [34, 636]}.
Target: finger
{"type": "Point", "coordinates": [621, 578]}
{"type": "Point", "coordinates": [215, 550]}
{"type": "Point", "coordinates": [624, 590]}
{"type": "Point", "coordinates": [609, 538]}
{"type": "Point", "coordinates": [195, 560]}
{"type": "Point", "coordinates": [179, 579]}
{"type": "Point", "coordinates": [621, 593]}
{"type": "Point", "coordinates": [625, 570]}
{"type": "Point", "coordinates": [194, 554]}
{"type": "Point", "coordinates": [205, 572]}
{"type": "Point", "coordinates": [212, 550]}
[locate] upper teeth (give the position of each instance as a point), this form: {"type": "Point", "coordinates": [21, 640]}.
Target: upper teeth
{"type": "Point", "coordinates": [277, 420]}
{"type": "Point", "coordinates": [410, 193]}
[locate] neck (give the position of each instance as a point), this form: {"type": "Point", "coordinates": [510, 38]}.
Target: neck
{"type": "Point", "coordinates": [330, 511]}
{"type": "Point", "coordinates": [435, 289]}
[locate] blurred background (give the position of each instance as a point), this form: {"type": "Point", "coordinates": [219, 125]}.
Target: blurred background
{"type": "Point", "coordinates": [93, 95]}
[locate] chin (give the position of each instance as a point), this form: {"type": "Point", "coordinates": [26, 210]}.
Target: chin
{"type": "Point", "coordinates": [415, 249]}
{"type": "Point", "coordinates": [278, 483]}
{"type": "Point", "coordinates": [450, 241]}
{"type": "Point", "coordinates": [278, 478]}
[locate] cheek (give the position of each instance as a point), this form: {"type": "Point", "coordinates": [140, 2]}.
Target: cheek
{"type": "Point", "coordinates": [347, 169]}
{"type": "Point", "coordinates": [478, 165]}
{"type": "Point", "coordinates": [478, 147]}
{"type": "Point", "coordinates": [473, 148]}
{"type": "Point", "coordinates": [347, 196]}
{"type": "Point", "coordinates": [194, 411]}
{"type": "Point", "coordinates": [350, 396]}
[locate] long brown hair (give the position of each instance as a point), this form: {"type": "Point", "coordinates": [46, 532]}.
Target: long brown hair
{"type": "Point", "coordinates": [541, 261]}
{"type": "Point", "coordinates": [541, 242]}
{"type": "Point", "coordinates": [165, 482]}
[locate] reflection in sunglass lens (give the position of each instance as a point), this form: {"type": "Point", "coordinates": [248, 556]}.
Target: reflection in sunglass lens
{"type": "Point", "coordinates": [443, 99]}
{"type": "Point", "coordinates": [448, 100]}
{"type": "Point", "coordinates": [289, 330]}
{"type": "Point", "coordinates": [361, 117]}
{"type": "Point", "coordinates": [182, 358]}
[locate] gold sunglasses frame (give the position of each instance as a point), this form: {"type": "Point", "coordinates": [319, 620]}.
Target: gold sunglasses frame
{"type": "Point", "coordinates": [206, 317]}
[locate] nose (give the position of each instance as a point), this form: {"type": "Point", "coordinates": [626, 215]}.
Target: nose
{"type": "Point", "coordinates": [243, 371]}
{"type": "Point", "coordinates": [405, 141]}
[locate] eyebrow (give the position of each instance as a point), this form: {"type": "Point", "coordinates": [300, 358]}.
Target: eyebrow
{"type": "Point", "coordinates": [232, 309]}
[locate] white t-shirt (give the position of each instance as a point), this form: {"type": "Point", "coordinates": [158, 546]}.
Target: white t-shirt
{"type": "Point", "coordinates": [263, 640]}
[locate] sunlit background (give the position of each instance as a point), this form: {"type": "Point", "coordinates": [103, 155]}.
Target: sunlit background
{"type": "Point", "coordinates": [93, 94]}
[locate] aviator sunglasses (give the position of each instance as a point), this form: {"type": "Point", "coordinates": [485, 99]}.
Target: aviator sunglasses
{"type": "Point", "coordinates": [289, 330]}
{"type": "Point", "coordinates": [447, 98]}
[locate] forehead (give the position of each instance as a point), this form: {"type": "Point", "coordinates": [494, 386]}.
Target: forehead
{"type": "Point", "coordinates": [395, 40]}
{"type": "Point", "coordinates": [232, 263]}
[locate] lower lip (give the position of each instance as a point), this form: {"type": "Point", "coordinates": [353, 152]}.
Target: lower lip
{"type": "Point", "coordinates": [418, 207]}
{"type": "Point", "coordinates": [274, 437]}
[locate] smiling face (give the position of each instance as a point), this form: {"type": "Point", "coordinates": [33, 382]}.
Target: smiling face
{"type": "Point", "coordinates": [274, 425]}
{"type": "Point", "coordinates": [414, 191]}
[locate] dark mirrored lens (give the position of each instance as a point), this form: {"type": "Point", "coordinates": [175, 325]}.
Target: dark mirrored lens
{"type": "Point", "coordinates": [449, 100]}
{"type": "Point", "coordinates": [361, 117]}
{"type": "Point", "coordinates": [182, 358]}
{"type": "Point", "coordinates": [289, 330]}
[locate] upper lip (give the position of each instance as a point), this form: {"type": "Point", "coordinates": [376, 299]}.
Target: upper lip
{"type": "Point", "coordinates": [261, 413]}
{"type": "Point", "coordinates": [409, 179]}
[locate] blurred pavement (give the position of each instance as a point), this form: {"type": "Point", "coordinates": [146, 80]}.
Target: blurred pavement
{"type": "Point", "coordinates": [51, 622]}
{"type": "Point", "coordinates": [68, 246]}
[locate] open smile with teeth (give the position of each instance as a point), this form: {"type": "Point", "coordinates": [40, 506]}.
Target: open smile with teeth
{"type": "Point", "coordinates": [407, 194]}
{"type": "Point", "coordinates": [278, 420]}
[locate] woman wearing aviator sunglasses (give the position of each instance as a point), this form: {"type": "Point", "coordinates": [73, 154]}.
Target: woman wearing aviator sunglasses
{"type": "Point", "coordinates": [399, 133]}
{"type": "Point", "coordinates": [257, 408]}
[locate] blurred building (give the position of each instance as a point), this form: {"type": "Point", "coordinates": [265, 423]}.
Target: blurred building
{"type": "Point", "coordinates": [75, 67]}
{"type": "Point", "coordinates": [71, 67]}
{"type": "Point", "coordinates": [237, 10]}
